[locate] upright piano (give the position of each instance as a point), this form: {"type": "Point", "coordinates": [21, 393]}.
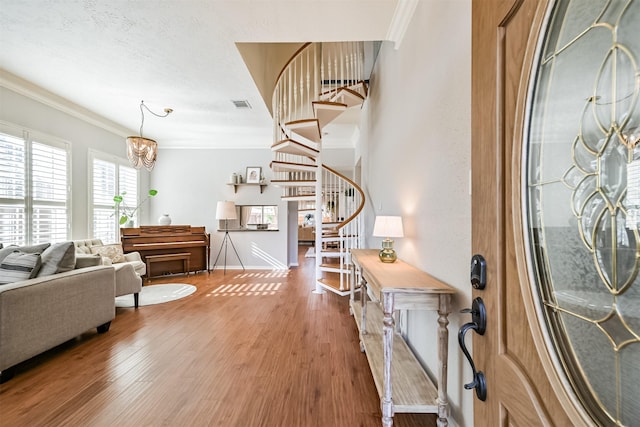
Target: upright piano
{"type": "Point", "coordinates": [169, 239]}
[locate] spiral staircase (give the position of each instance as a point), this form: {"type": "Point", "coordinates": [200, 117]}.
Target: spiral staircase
{"type": "Point", "coordinates": [319, 84]}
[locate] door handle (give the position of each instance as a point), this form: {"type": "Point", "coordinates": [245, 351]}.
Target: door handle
{"type": "Point", "coordinates": [478, 323]}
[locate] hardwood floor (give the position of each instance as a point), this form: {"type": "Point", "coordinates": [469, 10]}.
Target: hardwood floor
{"type": "Point", "coordinates": [246, 349]}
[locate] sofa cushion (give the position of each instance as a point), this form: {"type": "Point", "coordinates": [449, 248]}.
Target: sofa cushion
{"type": "Point", "coordinates": [84, 261]}
{"type": "Point", "coordinates": [84, 246]}
{"type": "Point", "coordinates": [58, 258]}
{"type": "Point", "coordinates": [33, 249]}
{"type": "Point", "coordinates": [18, 266]}
{"type": "Point", "coordinates": [112, 251]}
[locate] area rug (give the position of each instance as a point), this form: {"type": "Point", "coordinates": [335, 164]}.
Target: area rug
{"type": "Point", "coordinates": [157, 294]}
{"type": "Point", "coordinates": [311, 252]}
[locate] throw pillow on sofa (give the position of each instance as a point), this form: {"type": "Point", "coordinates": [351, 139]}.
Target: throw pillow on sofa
{"type": "Point", "coordinates": [33, 249]}
{"type": "Point", "coordinates": [18, 266]}
{"type": "Point", "coordinates": [58, 258]}
{"type": "Point", "coordinates": [113, 252]}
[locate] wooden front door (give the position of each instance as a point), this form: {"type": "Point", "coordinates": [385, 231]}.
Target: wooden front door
{"type": "Point", "coordinates": [525, 386]}
{"type": "Point", "coordinates": [519, 391]}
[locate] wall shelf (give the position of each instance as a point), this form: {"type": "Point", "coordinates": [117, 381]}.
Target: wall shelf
{"type": "Point", "coordinates": [235, 186]}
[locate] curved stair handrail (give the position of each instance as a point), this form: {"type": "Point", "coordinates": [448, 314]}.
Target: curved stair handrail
{"type": "Point", "coordinates": [357, 188]}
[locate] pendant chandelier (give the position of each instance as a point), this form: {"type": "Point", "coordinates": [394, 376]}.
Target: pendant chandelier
{"type": "Point", "coordinates": [142, 151]}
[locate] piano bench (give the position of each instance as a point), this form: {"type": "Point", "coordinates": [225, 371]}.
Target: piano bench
{"type": "Point", "coordinates": [184, 256]}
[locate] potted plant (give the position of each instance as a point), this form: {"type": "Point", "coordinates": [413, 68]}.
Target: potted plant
{"type": "Point", "coordinates": [127, 213]}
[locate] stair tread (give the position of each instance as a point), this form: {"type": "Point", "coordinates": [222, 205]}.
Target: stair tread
{"type": "Point", "coordinates": [327, 111]}
{"type": "Point", "coordinates": [348, 96]}
{"type": "Point", "coordinates": [299, 197]}
{"type": "Point", "coordinates": [333, 284]}
{"type": "Point", "coordinates": [293, 183]}
{"type": "Point", "coordinates": [335, 265]}
{"type": "Point", "coordinates": [279, 166]}
{"type": "Point", "coordinates": [360, 87]}
{"type": "Point", "coordinates": [330, 105]}
{"type": "Point", "coordinates": [291, 146]}
{"type": "Point", "coordinates": [306, 128]}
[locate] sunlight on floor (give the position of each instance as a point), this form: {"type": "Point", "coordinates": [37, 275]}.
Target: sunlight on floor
{"type": "Point", "coordinates": [262, 274]}
{"type": "Point", "coordinates": [246, 289]}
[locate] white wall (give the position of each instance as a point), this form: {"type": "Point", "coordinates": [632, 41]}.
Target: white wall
{"type": "Point", "coordinates": [191, 182]}
{"type": "Point", "coordinates": [415, 150]}
{"type": "Point", "coordinates": [24, 111]}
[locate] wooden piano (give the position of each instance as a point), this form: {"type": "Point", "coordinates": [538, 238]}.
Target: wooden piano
{"type": "Point", "coordinates": [152, 240]}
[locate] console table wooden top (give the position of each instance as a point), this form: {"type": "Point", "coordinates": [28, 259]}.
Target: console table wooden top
{"type": "Point", "coordinates": [396, 277]}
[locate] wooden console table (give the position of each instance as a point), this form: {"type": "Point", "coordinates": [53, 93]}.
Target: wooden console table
{"type": "Point", "coordinates": [402, 383]}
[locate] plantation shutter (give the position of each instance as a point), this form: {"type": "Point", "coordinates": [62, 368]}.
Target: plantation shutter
{"type": "Point", "coordinates": [128, 185]}
{"type": "Point", "coordinates": [111, 177]}
{"type": "Point", "coordinates": [104, 188]}
{"type": "Point", "coordinates": [50, 189]}
{"type": "Point", "coordinates": [12, 189]}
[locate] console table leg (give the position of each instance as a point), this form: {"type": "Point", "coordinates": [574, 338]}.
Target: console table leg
{"type": "Point", "coordinates": [444, 309]}
{"type": "Point", "coordinates": [363, 306]}
{"type": "Point", "coordinates": [386, 403]}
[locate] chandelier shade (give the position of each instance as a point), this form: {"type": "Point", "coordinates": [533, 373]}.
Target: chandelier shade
{"type": "Point", "coordinates": [141, 151]}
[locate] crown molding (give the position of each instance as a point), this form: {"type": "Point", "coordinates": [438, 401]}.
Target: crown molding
{"type": "Point", "coordinates": [43, 96]}
{"type": "Point", "coordinates": [400, 21]}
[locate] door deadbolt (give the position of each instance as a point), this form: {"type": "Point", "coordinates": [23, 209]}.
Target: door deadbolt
{"type": "Point", "coordinates": [478, 272]}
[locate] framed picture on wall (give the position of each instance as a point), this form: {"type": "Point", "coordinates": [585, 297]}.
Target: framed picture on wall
{"type": "Point", "coordinates": [253, 174]}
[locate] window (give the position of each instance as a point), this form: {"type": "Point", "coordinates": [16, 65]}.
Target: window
{"type": "Point", "coordinates": [34, 187]}
{"type": "Point", "coordinates": [110, 176]}
{"type": "Point", "coordinates": [252, 217]}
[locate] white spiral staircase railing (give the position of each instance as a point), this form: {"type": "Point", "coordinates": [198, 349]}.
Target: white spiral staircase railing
{"type": "Point", "coordinates": [321, 81]}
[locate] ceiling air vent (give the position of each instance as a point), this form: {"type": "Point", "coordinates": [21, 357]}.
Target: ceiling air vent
{"type": "Point", "coordinates": [242, 103]}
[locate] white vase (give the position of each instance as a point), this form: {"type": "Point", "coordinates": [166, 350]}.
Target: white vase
{"type": "Point", "coordinates": [165, 219]}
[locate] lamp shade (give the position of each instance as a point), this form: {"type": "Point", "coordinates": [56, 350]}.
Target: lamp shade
{"type": "Point", "coordinates": [226, 210]}
{"type": "Point", "coordinates": [388, 226]}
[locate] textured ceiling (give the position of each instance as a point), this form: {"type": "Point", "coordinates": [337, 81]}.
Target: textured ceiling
{"type": "Point", "coordinates": [106, 56]}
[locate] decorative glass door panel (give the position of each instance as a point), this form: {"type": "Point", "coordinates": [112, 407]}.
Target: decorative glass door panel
{"type": "Point", "coordinates": [583, 200]}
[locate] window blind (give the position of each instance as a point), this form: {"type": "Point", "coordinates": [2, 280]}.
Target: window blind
{"type": "Point", "coordinates": [110, 178]}
{"type": "Point", "coordinates": [49, 193]}
{"type": "Point", "coordinates": [104, 188]}
{"type": "Point", "coordinates": [12, 189]}
{"type": "Point", "coordinates": [34, 190]}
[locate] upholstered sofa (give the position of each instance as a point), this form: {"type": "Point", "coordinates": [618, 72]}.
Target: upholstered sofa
{"type": "Point", "coordinates": [129, 267]}
{"type": "Point", "coordinates": [39, 313]}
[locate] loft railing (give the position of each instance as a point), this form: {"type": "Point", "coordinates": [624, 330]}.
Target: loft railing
{"type": "Point", "coordinates": [314, 73]}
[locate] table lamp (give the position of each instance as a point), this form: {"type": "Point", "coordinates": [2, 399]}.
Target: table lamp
{"type": "Point", "coordinates": [387, 227]}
